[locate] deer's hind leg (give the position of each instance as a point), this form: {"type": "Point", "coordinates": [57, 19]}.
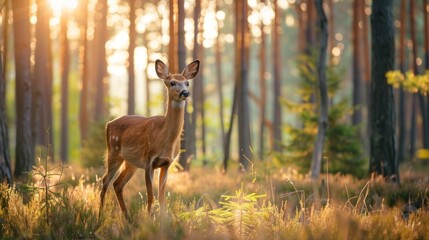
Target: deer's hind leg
{"type": "Point", "coordinates": [119, 184]}
{"type": "Point", "coordinates": [113, 163]}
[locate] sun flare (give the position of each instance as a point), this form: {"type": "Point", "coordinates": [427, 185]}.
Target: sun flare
{"type": "Point", "coordinates": [58, 5]}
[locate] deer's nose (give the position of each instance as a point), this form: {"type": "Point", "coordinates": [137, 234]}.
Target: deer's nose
{"type": "Point", "coordinates": [184, 94]}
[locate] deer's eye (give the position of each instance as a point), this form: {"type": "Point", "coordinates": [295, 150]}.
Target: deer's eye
{"type": "Point", "coordinates": [187, 84]}
{"type": "Point", "coordinates": [172, 83]}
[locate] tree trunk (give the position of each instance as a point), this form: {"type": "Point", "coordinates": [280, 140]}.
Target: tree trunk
{"type": "Point", "coordinates": [357, 70]}
{"type": "Point", "coordinates": [172, 57]}
{"type": "Point", "coordinates": [131, 47]}
{"type": "Point", "coordinates": [277, 118]}
{"type": "Point", "coordinates": [42, 84]}
{"type": "Point", "coordinates": [5, 167]}
{"type": "Point", "coordinates": [185, 154]}
{"type": "Point", "coordinates": [24, 145]}
{"type": "Point", "coordinates": [5, 36]}
{"type": "Point", "coordinates": [316, 163]}
{"type": "Point", "coordinates": [402, 97]}
{"type": "Point", "coordinates": [65, 67]}
{"type": "Point", "coordinates": [219, 81]}
{"type": "Point", "coordinates": [242, 57]}
{"type": "Point", "coordinates": [382, 157]}
{"type": "Point", "coordinates": [83, 110]}
{"type": "Point", "coordinates": [415, 70]}
{"type": "Point", "coordinates": [263, 91]}
{"type": "Point", "coordinates": [100, 37]}
{"type": "Point", "coordinates": [424, 100]}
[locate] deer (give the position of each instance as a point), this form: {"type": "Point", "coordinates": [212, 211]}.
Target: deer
{"type": "Point", "coordinates": [147, 142]}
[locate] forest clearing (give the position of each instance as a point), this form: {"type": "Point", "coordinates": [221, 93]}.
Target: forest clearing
{"type": "Point", "coordinates": [210, 119]}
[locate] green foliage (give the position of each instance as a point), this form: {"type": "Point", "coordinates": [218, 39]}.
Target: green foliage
{"type": "Point", "coordinates": [409, 81]}
{"type": "Point", "coordinates": [94, 147]}
{"type": "Point", "coordinates": [342, 147]}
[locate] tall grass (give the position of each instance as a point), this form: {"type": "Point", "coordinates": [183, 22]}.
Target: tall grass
{"type": "Point", "coordinates": [204, 204]}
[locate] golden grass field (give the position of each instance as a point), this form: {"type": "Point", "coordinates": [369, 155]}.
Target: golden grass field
{"type": "Point", "coordinates": [267, 203]}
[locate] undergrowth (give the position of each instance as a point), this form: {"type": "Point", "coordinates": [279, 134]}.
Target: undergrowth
{"type": "Point", "coordinates": [205, 204]}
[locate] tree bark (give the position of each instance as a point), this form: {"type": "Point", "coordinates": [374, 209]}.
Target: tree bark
{"type": "Point", "coordinates": [83, 110]}
{"type": "Point", "coordinates": [243, 43]}
{"type": "Point", "coordinates": [42, 83]}
{"type": "Point", "coordinates": [185, 154]}
{"type": "Point", "coordinates": [316, 163]}
{"type": "Point", "coordinates": [172, 57]}
{"type": "Point", "coordinates": [21, 30]}
{"type": "Point", "coordinates": [382, 157]}
{"type": "Point", "coordinates": [5, 167]}
{"type": "Point", "coordinates": [219, 81]}
{"type": "Point", "coordinates": [65, 69]}
{"type": "Point", "coordinates": [277, 118]}
{"type": "Point", "coordinates": [402, 97]}
{"type": "Point", "coordinates": [415, 70]}
{"type": "Point", "coordinates": [425, 99]}
{"type": "Point", "coordinates": [263, 93]}
{"type": "Point", "coordinates": [356, 61]}
{"type": "Point", "coordinates": [131, 47]}
{"type": "Point", "coordinates": [100, 37]}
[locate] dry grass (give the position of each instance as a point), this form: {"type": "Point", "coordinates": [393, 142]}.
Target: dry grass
{"type": "Point", "coordinates": [204, 204]}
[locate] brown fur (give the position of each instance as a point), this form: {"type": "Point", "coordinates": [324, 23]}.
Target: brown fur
{"type": "Point", "coordinates": [147, 142]}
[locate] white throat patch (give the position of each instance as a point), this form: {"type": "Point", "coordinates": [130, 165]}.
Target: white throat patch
{"type": "Point", "coordinates": [177, 104]}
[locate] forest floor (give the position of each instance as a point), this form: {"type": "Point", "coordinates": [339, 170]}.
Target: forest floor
{"type": "Point", "coordinates": [267, 203]}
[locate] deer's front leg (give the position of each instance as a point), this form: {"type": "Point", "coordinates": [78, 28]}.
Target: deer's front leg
{"type": "Point", "coordinates": [148, 178]}
{"type": "Point", "coordinates": [163, 175]}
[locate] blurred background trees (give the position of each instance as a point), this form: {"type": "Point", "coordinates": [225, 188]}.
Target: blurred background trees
{"type": "Point", "coordinates": [70, 66]}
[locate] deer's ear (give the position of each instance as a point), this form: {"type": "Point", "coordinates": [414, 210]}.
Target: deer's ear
{"type": "Point", "coordinates": [191, 70]}
{"type": "Point", "coordinates": [161, 69]}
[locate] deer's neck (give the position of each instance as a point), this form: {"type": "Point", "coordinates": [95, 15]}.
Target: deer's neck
{"type": "Point", "coordinates": [174, 119]}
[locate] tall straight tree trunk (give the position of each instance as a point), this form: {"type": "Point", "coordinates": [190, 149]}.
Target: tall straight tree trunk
{"type": "Point", "coordinates": [100, 38]}
{"type": "Point", "coordinates": [185, 154]}
{"type": "Point", "coordinates": [131, 47]}
{"type": "Point", "coordinates": [219, 81]}
{"type": "Point", "coordinates": [366, 69]}
{"type": "Point", "coordinates": [172, 52]}
{"type": "Point", "coordinates": [83, 54]}
{"type": "Point", "coordinates": [65, 68]}
{"type": "Point", "coordinates": [277, 118]}
{"type": "Point", "coordinates": [241, 65]}
{"type": "Point", "coordinates": [5, 35]}
{"type": "Point", "coordinates": [191, 139]}
{"type": "Point", "coordinates": [42, 84]}
{"type": "Point", "coordinates": [402, 97]}
{"type": "Point", "coordinates": [425, 99]}
{"type": "Point", "coordinates": [426, 32]}
{"type": "Point", "coordinates": [415, 70]}
{"type": "Point", "coordinates": [382, 159]}
{"type": "Point", "coordinates": [263, 93]}
{"type": "Point", "coordinates": [356, 60]}
{"type": "Point", "coordinates": [21, 30]}
{"type": "Point", "coordinates": [316, 163]}
{"type": "Point", "coordinates": [5, 166]}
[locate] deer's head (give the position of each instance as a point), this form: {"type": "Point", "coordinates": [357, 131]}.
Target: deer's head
{"type": "Point", "coordinates": [177, 84]}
